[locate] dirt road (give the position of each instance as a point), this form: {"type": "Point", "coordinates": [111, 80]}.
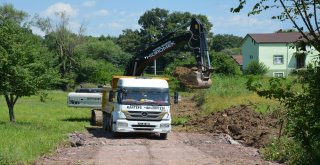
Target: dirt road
{"type": "Point", "coordinates": [97, 147]}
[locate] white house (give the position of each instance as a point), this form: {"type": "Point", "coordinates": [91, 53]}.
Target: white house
{"type": "Point", "coordinates": [280, 52]}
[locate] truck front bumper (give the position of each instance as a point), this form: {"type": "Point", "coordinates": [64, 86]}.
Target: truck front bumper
{"type": "Point", "coordinates": [123, 125]}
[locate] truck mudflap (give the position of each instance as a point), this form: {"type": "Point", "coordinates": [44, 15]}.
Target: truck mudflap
{"type": "Point", "coordinates": [123, 125]}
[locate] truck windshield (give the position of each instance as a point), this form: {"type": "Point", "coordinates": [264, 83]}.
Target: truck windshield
{"type": "Point", "coordinates": [145, 96]}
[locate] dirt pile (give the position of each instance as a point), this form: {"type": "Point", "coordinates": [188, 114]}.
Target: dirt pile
{"type": "Point", "coordinates": [189, 77]}
{"type": "Point", "coordinates": [241, 123]}
{"type": "Point", "coordinates": [186, 76]}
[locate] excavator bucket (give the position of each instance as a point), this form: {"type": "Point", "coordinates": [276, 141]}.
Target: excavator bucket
{"type": "Point", "coordinates": [192, 78]}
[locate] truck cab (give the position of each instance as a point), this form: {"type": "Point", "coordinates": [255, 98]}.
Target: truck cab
{"type": "Point", "coordinates": [137, 104]}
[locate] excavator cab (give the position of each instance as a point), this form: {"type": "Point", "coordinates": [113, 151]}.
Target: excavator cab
{"type": "Point", "coordinates": [197, 77]}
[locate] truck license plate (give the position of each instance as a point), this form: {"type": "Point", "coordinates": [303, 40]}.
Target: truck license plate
{"type": "Point", "coordinates": [143, 123]}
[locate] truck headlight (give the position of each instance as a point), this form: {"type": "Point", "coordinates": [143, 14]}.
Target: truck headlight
{"type": "Point", "coordinates": [164, 125]}
{"type": "Point", "coordinates": [166, 116]}
{"type": "Point", "coordinates": [122, 124]}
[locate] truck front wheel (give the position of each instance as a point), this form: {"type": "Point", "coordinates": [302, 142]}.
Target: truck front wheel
{"type": "Point", "coordinates": [163, 136]}
{"type": "Point", "coordinates": [114, 134]}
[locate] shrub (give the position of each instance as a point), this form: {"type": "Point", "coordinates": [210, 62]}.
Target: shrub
{"type": "Point", "coordinates": [200, 97]}
{"type": "Point", "coordinates": [303, 110]}
{"type": "Point", "coordinates": [224, 64]}
{"type": "Point", "coordinates": [283, 150]}
{"type": "Point", "coordinates": [256, 68]}
{"type": "Point", "coordinates": [179, 120]}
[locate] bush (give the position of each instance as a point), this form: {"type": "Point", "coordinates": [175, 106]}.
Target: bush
{"type": "Point", "coordinates": [179, 120]}
{"type": "Point", "coordinates": [224, 64]}
{"type": "Point", "coordinates": [303, 110]}
{"type": "Point", "coordinates": [200, 97]}
{"type": "Point", "coordinates": [256, 68]}
{"type": "Point", "coordinates": [283, 150]}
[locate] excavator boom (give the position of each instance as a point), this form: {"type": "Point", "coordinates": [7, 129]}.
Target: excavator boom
{"type": "Point", "coordinates": [197, 41]}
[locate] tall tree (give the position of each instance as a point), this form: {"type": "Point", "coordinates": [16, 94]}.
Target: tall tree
{"type": "Point", "coordinates": [224, 41]}
{"type": "Point", "coordinates": [21, 70]}
{"type": "Point", "coordinates": [129, 40]}
{"type": "Point", "coordinates": [9, 14]}
{"type": "Point", "coordinates": [100, 59]}
{"type": "Point", "coordinates": [62, 42]}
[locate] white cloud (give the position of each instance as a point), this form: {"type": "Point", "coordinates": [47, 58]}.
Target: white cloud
{"type": "Point", "coordinates": [242, 21]}
{"type": "Point", "coordinates": [101, 12]}
{"type": "Point", "coordinates": [112, 25]}
{"type": "Point", "coordinates": [115, 25]}
{"type": "Point", "coordinates": [58, 8]}
{"type": "Point", "coordinates": [89, 3]}
{"type": "Point", "coordinates": [241, 25]}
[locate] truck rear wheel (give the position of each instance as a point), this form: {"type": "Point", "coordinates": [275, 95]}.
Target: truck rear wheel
{"type": "Point", "coordinates": [163, 136]}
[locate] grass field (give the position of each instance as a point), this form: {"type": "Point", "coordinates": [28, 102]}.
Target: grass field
{"type": "Point", "coordinates": [39, 127]}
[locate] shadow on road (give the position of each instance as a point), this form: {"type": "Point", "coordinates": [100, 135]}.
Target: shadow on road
{"type": "Point", "coordinates": [100, 133]}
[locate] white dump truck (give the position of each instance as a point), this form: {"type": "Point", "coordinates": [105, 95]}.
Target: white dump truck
{"type": "Point", "coordinates": [137, 104]}
{"type": "Point", "coordinates": [130, 104]}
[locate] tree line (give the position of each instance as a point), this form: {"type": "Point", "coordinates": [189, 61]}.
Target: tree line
{"type": "Point", "coordinates": [61, 59]}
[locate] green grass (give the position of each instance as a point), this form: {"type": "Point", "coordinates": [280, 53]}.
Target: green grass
{"type": "Point", "coordinates": [179, 120]}
{"type": "Point", "coordinates": [229, 91]}
{"type": "Point", "coordinates": [39, 128]}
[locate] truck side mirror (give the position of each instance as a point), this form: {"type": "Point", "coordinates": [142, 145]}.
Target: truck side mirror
{"type": "Point", "coordinates": [176, 97]}
{"type": "Point", "coordinates": [111, 96]}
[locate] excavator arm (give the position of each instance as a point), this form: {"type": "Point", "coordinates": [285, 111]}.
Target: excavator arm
{"type": "Point", "coordinates": [197, 41]}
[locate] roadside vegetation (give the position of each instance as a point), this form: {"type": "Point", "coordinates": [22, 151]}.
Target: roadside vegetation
{"type": "Point", "coordinates": [228, 91]}
{"type": "Point", "coordinates": [40, 127]}
{"type": "Point", "coordinates": [301, 112]}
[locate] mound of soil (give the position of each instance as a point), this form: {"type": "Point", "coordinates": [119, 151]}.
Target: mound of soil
{"type": "Point", "coordinates": [241, 123]}
{"type": "Point", "coordinates": [187, 76]}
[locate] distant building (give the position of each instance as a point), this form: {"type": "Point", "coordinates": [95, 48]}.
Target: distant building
{"type": "Point", "coordinates": [280, 52]}
{"type": "Point", "coordinates": [238, 60]}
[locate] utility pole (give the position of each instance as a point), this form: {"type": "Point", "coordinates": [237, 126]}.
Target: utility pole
{"type": "Point", "coordinates": [155, 67]}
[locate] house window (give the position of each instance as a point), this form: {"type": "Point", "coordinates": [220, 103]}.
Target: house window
{"type": "Point", "coordinates": [278, 74]}
{"type": "Point", "coordinates": [278, 59]}
{"type": "Point", "coordinates": [251, 56]}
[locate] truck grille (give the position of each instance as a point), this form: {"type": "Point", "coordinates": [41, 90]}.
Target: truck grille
{"type": "Point", "coordinates": [144, 115]}
{"type": "Point", "coordinates": [143, 127]}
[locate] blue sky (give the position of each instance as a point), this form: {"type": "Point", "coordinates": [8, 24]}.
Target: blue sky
{"type": "Point", "coordinates": [106, 17]}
